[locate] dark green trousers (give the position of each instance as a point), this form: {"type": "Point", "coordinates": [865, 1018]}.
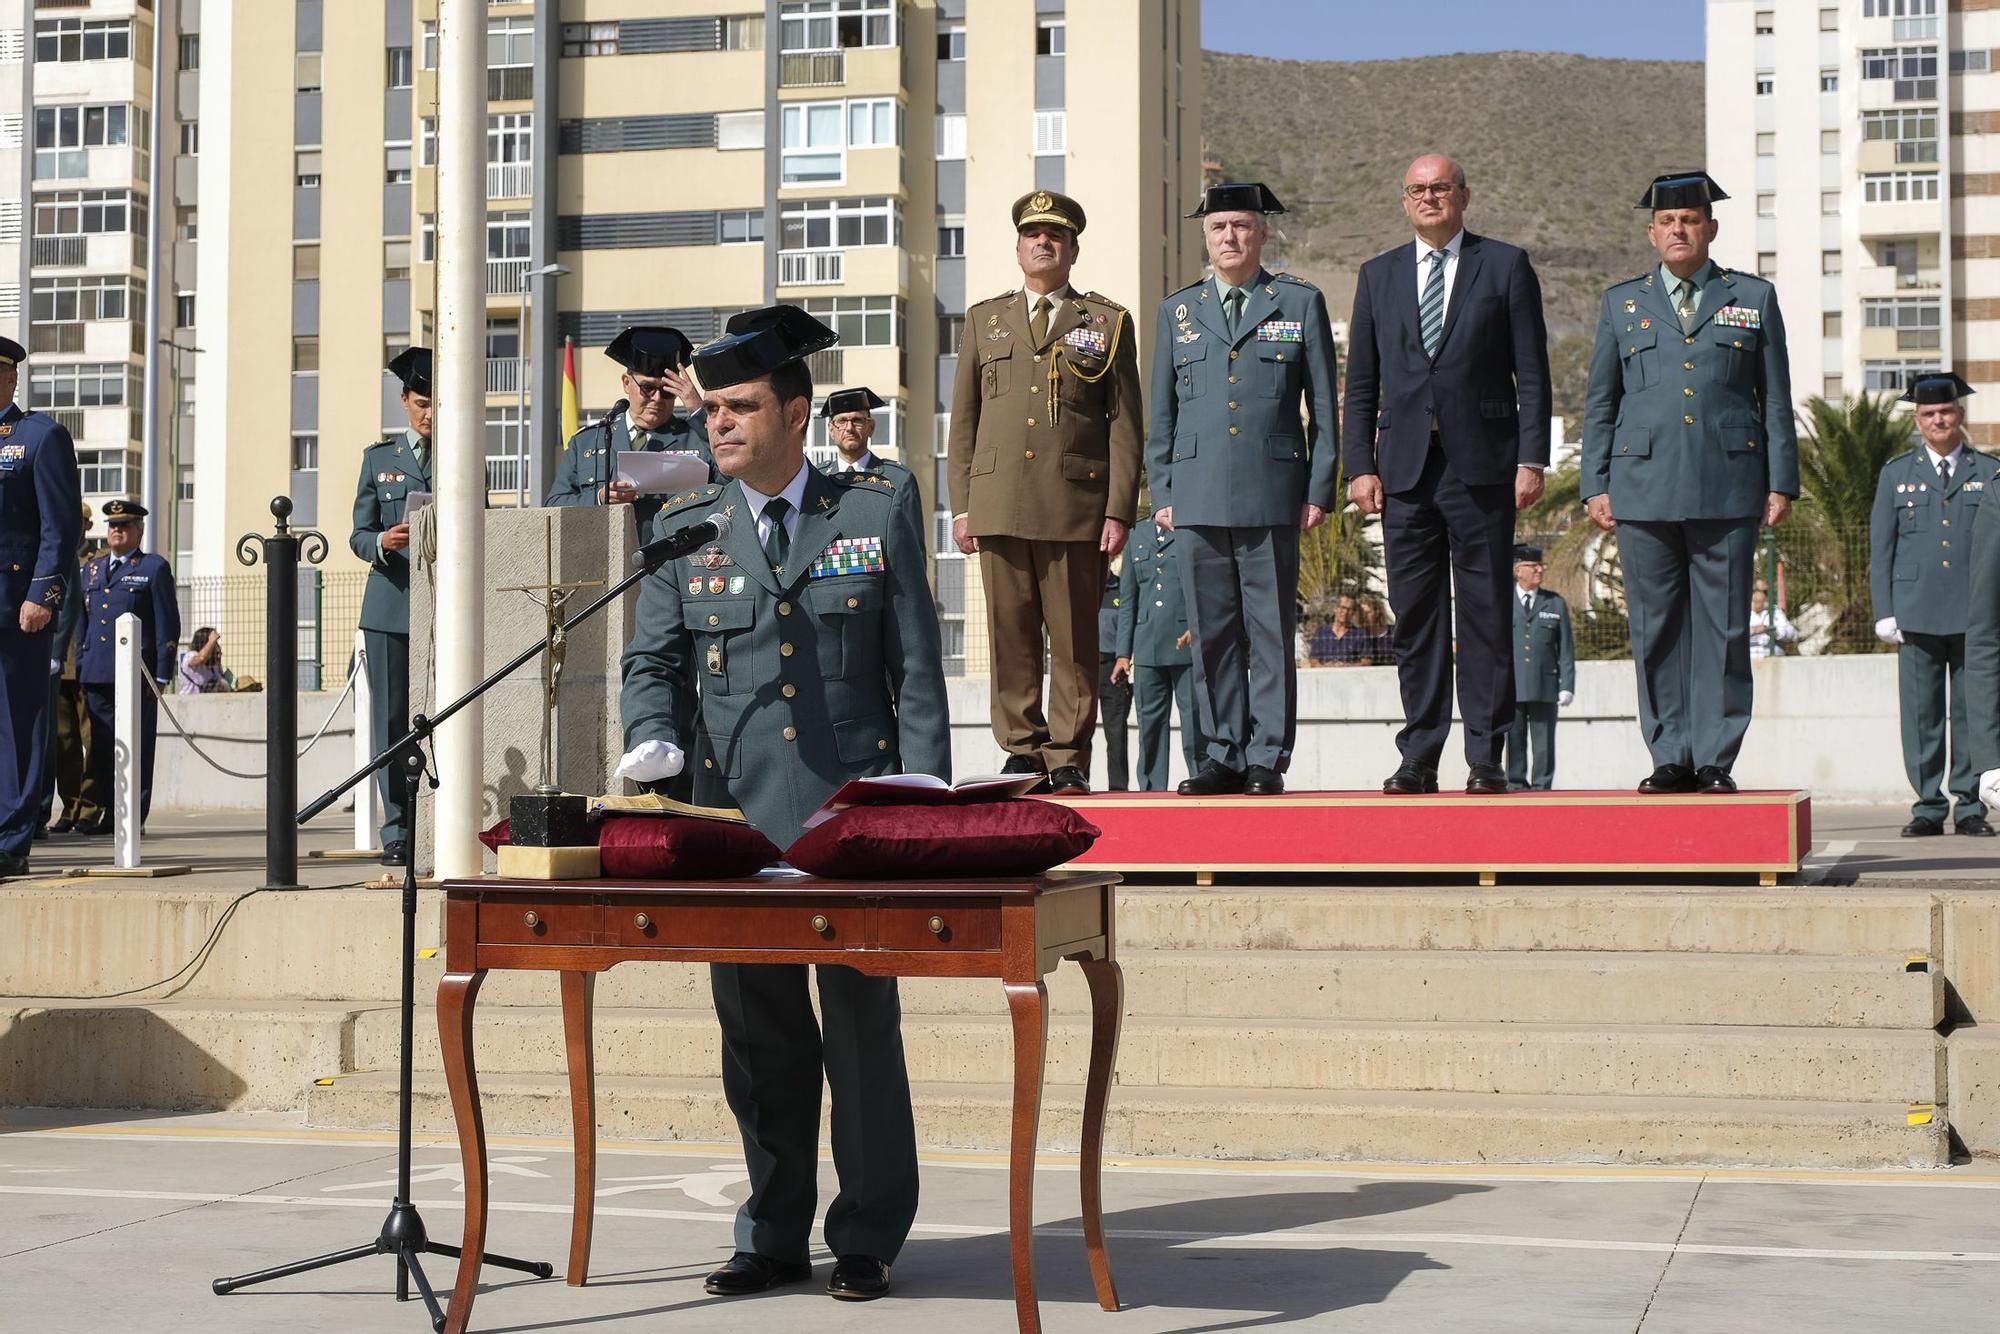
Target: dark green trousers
{"type": "Point", "coordinates": [1930, 678]}
{"type": "Point", "coordinates": [1534, 728]}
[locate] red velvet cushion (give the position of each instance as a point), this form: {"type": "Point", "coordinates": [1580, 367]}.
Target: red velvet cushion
{"type": "Point", "coordinates": [496, 837]}
{"type": "Point", "coordinates": [676, 847]}
{"type": "Point", "coordinates": [1016, 836]}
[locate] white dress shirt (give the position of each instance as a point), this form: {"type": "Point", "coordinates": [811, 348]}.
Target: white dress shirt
{"type": "Point", "coordinates": [1451, 249]}
{"type": "Point", "coordinates": [1956, 458]}
{"type": "Point", "coordinates": [795, 492]}
{"type": "Point", "coordinates": [1056, 300]}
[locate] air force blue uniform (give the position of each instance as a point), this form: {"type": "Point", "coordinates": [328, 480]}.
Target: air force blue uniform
{"type": "Point", "coordinates": [141, 583]}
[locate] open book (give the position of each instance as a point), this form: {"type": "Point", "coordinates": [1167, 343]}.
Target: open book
{"type": "Point", "coordinates": [920, 790]}
{"type": "Point", "coordinates": [649, 803]}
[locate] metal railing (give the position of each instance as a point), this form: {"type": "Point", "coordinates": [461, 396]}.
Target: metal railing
{"type": "Point", "coordinates": [329, 610]}
{"type": "Point", "coordinates": [811, 69]}
{"type": "Point", "coordinates": [59, 251]}
{"type": "Point", "coordinates": [503, 375]}
{"type": "Point", "coordinates": [811, 268]}
{"type": "Point", "coordinates": [503, 475]}
{"type": "Point", "coordinates": [505, 277]}
{"type": "Point", "coordinates": [827, 367]}
{"type": "Point", "coordinates": [510, 180]}
{"type": "Point", "coordinates": [510, 83]}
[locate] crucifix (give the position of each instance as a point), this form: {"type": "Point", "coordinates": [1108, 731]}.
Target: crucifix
{"type": "Point", "coordinates": [550, 597]}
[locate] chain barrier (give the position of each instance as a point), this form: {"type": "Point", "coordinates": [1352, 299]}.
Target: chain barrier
{"type": "Point", "coordinates": [213, 763]}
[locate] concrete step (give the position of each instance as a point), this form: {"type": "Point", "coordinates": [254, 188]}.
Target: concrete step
{"type": "Point", "coordinates": [1851, 1065]}
{"type": "Point", "coordinates": [1237, 1124]}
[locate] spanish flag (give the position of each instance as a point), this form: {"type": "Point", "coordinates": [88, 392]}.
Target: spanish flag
{"type": "Point", "coordinates": [570, 413]}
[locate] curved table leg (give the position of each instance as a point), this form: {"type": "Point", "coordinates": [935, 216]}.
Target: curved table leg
{"type": "Point", "coordinates": [1107, 1010]}
{"type": "Point", "coordinates": [1028, 1003]}
{"type": "Point", "coordinates": [578, 991]}
{"type": "Point", "coordinates": [456, 994]}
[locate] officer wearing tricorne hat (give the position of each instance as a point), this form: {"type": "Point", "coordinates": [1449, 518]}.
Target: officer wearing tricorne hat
{"type": "Point", "coordinates": [1688, 445]}
{"type": "Point", "coordinates": [1919, 537]}
{"type": "Point", "coordinates": [390, 472]}
{"type": "Point", "coordinates": [850, 425]}
{"type": "Point", "coordinates": [655, 359]}
{"type": "Point", "coordinates": [40, 499]}
{"type": "Point", "coordinates": [1242, 457]}
{"type": "Point", "coordinates": [810, 632]}
{"type": "Point", "coordinates": [123, 579]}
{"type": "Point", "coordinates": [1544, 673]}
{"type": "Point", "coordinates": [1046, 431]}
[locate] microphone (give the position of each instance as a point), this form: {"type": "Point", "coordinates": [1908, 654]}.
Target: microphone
{"type": "Point", "coordinates": [674, 545]}
{"type": "Point", "coordinates": [613, 411]}
{"type": "Point", "coordinates": [603, 468]}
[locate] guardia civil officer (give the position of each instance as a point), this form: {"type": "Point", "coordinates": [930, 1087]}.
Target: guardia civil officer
{"type": "Point", "coordinates": [655, 359]}
{"type": "Point", "coordinates": [1919, 532]}
{"type": "Point", "coordinates": [1688, 445]}
{"type": "Point", "coordinates": [1544, 672]}
{"type": "Point", "coordinates": [810, 633]}
{"type": "Point", "coordinates": [1241, 458]}
{"type": "Point", "coordinates": [850, 425]}
{"type": "Point", "coordinates": [1155, 651]}
{"type": "Point", "coordinates": [40, 501]}
{"type": "Point", "coordinates": [1114, 687]}
{"type": "Point", "coordinates": [390, 471]}
{"type": "Point", "coordinates": [124, 579]}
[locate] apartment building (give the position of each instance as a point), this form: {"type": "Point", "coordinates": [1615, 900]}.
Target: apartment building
{"type": "Point", "coordinates": [1860, 141]}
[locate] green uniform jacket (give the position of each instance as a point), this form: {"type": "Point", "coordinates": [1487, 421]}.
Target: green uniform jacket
{"type": "Point", "coordinates": [1982, 644]}
{"type": "Point", "coordinates": [1694, 425]}
{"type": "Point", "coordinates": [587, 462]}
{"type": "Point", "coordinates": [1919, 539]}
{"type": "Point", "coordinates": [1544, 648]}
{"type": "Point", "coordinates": [389, 472]}
{"type": "Point", "coordinates": [1152, 613]}
{"type": "Point", "coordinates": [907, 495]}
{"type": "Point", "coordinates": [829, 671]}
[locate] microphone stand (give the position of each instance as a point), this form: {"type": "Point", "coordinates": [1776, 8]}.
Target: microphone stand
{"type": "Point", "coordinates": [403, 1234]}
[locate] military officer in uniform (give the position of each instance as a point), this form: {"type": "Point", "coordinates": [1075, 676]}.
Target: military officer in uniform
{"type": "Point", "coordinates": [1544, 673]}
{"type": "Point", "coordinates": [64, 771]}
{"type": "Point", "coordinates": [1155, 651]}
{"type": "Point", "coordinates": [1241, 457]}
{"type": "Point", "coordinates": [40, 499]}
{"type": "Point", "coordinates": [1044, 463]}
{"type": "Point", "coordinates": [655, 359]}
{"type": "Point", "coordinates": [1114, 687]}
{"type": "Point", "coordinates": [850, 425]}
{"type": "Point", "coordinates": [390, 471]}
{"type": "Point", "coordinates": [1688, 444]}
{"type": "Point", "coordinates": [1919, 535]}
{"type": "Point", "coordinates": [124, 579]}
{"type": "Point", "coordinates": [810, 632]}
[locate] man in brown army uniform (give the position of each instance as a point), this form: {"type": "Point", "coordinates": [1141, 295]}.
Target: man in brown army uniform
{"type": "Point", "coordinates": [1046, 431]}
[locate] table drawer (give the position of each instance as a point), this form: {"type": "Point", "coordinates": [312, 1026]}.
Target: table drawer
{"type": "Point", "coordinates": [945, 924]}
{"type": "Point", "coordinates": [539, 923]}
{"type": "Point", "coordinates": [776, 926]}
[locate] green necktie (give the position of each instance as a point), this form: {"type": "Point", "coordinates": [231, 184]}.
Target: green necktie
{"type": "Point", "coordinates": [1684, 303]}
{"type": "Point", "coordinates": [777, 543]}
{"type": "Point", "coordinates": [1038, 323]}
{"type": "Point", "coordinates": [1232, 308]}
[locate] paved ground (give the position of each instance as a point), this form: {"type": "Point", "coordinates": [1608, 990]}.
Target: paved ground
{"type": "Point", "coordinates": [109, 1223]}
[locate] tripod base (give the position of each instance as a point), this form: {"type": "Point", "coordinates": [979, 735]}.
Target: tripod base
{"type": "Point", "coordinates": [404, 1237]}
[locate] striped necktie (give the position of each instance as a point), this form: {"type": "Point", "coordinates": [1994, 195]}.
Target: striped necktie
{"type": "Point", "coordinates": [1430, 311]}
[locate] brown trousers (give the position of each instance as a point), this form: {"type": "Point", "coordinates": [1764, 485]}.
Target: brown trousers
{"type": "Point", "coordinates": [1032, 588]}
{"type": "Point", "coordinates": [82, 800]}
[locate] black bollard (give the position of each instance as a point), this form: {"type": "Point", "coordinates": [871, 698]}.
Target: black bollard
{"type": "Point", "coordinates": [281, 553]}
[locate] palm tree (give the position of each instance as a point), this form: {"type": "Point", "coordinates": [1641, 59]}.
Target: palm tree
{"type": "Point", "coordinates": [1842, 450]}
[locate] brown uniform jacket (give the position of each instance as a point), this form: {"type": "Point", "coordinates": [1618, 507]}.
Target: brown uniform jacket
{"type": "Point", "coordinates": [1046, 440]}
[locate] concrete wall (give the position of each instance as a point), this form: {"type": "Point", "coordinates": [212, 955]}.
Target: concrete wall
{"type": "Point", "coordinates": [230, 728]}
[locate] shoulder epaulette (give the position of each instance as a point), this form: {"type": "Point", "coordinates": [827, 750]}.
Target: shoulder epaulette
{"type": "Point", "coordinates": [854, 477]}
{"type": "Point", "coordinates": [1294, 279]}
{"type": "Point", "coordinates": [1101, 300]}
{"type": "Point", "coordinates": [1189, 288]}
{"type": "Point", "coordinates": [694, 497]}
{"type": "Point", "coordinates": [1004, 296]}
{"type": "Point", "coordinates": [1906, 454]}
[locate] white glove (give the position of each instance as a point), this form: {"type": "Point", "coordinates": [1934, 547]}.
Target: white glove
{"type": "Point", "coordinates": [1989, 788]}
{"type": "Point", "coordinates": [1565, 699]}
{"type": "Point", "coordinates": [55, 666]}
{"type": "Point", "coordinates": [650, 761]}
{"type": "Point", "coordinates": [1886, 631]}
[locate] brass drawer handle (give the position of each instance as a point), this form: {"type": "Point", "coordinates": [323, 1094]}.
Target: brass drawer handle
{"type": "Point", "coordinates": [936, 925]}
{"type": "Point", "coordinates": [820, 924]}
{"type": "Point", "coordinates": [643, 922]}
{"type": "Point", "coordinates": [533, 920]}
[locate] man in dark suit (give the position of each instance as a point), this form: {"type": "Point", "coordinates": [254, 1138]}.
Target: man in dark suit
{"type": "Point", "coordinates": [1447, 434]}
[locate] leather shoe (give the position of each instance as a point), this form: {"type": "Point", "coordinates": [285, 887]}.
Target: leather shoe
{"type": "Point", "coordinates": [1486, 780]}
{"type": "Point", "coordinates": [1975, 826]}
{"type": "Point", "coordinates": [1668, 778]}
{"type": "Point", "coordinates": [1411, 779]}
{"type": "Point", "coordinates": [1714, 778]}
{"type": "Point", "coordinates": [1066, 780]}
{"type": "Point", "coordinates": [62, 826]}
{"type": "Point", "coordinates": [1259, 781]}
{"type": "Point", "coordinates": [12, 864]}
{"type": "Point", "coordinates": [95, 828]}
{"type": "Point", "coordinates": [1215, 780]}
{"type": "Point", "coordinates": [1923, 827]}
{"type": "Point", "coordinates": [748, 1272]}
{"type": "Point", "coordinates": [394, 851]}
{"type": "Point", "coordinates": [858, 1278]}
{"type": "Point", "coordinates": [1021, 764]}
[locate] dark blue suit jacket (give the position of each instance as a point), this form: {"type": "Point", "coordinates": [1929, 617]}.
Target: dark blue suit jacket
{"type": "Point", "coordinates": [1487, 390]}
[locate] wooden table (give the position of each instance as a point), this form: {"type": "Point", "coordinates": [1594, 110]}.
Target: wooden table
{"type": "Point", "coordinates": [1015, 930]}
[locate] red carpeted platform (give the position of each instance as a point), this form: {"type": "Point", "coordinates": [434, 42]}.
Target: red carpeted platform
{"type": "Point", "coordinates": [1766, 833]}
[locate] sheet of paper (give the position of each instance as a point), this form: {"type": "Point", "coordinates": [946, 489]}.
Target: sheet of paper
{"type": "Point", "coordinates": [414, 501]}
{"type": "Point", "coordinates": [661, 474]}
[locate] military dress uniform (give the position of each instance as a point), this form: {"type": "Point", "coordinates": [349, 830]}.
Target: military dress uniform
{"type": "Point", "coordinates": [817, 658]}
{"type": "Point", "coordinates": [1919, 538]}
{"type": "Point", "coordinates": [1688, 428]}
{"type": "Point", "coordinates": [864, 399]}
{"type": "Point", "coordinates": [1152, 617]}
{"type": "Point", "coordinates": [1044, 447]}
{"type": "Point", "coordinates": [1544, 670]}
{"type": "Point", "coordinates": [590, 459]}
{"type": "Point", "coordinates": [1114, 698]}
{"type": "Point", "coordinates": [40, 508]}
{"type": "Point", "coordinates": [143, 584]}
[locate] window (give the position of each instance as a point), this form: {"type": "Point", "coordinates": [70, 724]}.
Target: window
{"type": "Point", "coordinates": [305, 451]}
{"type": "Point", "coordinates": [1916, 320]}
{"type": "Point", "coordinates": [510, 42]}
{"type": "Point", "coordinates": [305, 262]}
{"type": "Point", "coordinates": [1829, 81]}
{"type": "Point", "coordinates": [833, 25]}
{"type": "Point", "coordinates": [184, 310]}
{"type": "Point", "coordinates": [1829, 324]}
{"type": "Point", "coordinates": [396, 166]}
{"type": "Point", "coordinates": [430, 44]}
{"type": "Point", "coordinates": [871, 123]}
{"type": "Point", "coordinates": [1897, 9]}
{"type": "Point", "coordinates": [1767, 205]}
{"type": "Point", "coordinates": [743, 32]}
{"type": "Point", "coordinates": [1829, 20]}
{"type": "Point", "coordinates": [102, 471]}
{"type": "Point", "coordinates": [1050, 37]}
{"type": "Point", "coordinates": [80, 300]}
{"type": "Point", "coordinates": [1829, 141]}
{"type": "Point", "coordinates": [62, 134]}
{"type": "Point", "coordinates": [1767, 264]}
{"type": "Point", "coordinates": [88, 213]}
{"type": "Point", "coordinates": [590, 39]}
{"type": "Point", "coordinates": [1899, 187]}
{"type": "Point", "coordinates": [65, 40]}
{"type": "Point", "coordinates": [814, 143]}
{"type": "Point", "coordinates": [427, 141]}
{"type": "Point", "coordinates": [1766, 23]}
{"type": "Point", "coordinates": [427, 245]}
{"type": "Point", "coordinates": [1829, 261]}
{"type": "Point", "coordinates": [510, 138]}
{"type": "Point", "coordinates": [951, 335]}
{"type": "Point", "coordinates": [1051, 133]}
{"type": "Point", "coordinates": [82, 385]}
{"type": "Point", "coordinates": [828, 224]}
{"type": "Point", "coordinates": [402, 67]}
{"type": "Point", "coordinates": [1764, 83]}
{"type": "Point", "coordinates": [507, 235]}
{"type": "Point", "coordinates": [503, 448]}
{"type": "Point", "coordinates": [740, 227]}
{"type": "Point", "coordinates": [1970, 62]}
{"type": "Point", "coordinates": [190, 51]}
{"type": "Point", "coordinates": [1830, 388]}
{"type": "Point", "coordinates": [306, 71]}
{"type": "Point", "coordinates": [1829, 203]}
{"type": "Point", "coordinates": [951, 241]}
{"type": "Point", "coordinates": [308, 165]}
{"type": "Point", "coordinates": [739, 129]}
{"type": "Point", "coordinates": [187, 223]}
{"type": "Point", "coordinates": [862, 321]}
{"type": "Point", "coordinates": [951, 41]}
{"type": "Point", "coordinates": [1914, 132]}
{"type": "Point", "coordinates": [396, 261]}
{"type": "Point", "coordinates": [1767, 144]}
{"type": "Point", "coordinates": [1883, 376]}
{"type": "Point", "coordinates": [305, 354]}
{"type": "Point", "coordinates": [1912, 68]}
{"type": "Point", "coordinates": [950, 138]}
{"type": "Point", "coordinates": [191, 138]}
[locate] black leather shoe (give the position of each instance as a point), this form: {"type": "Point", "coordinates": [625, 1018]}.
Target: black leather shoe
{"type": "Point", "coordinates": [1259, 781]}
{"type": "Point", "coordinates": [62, 826]}
{"type": "Point", "coordinates": [747, 1272]}
{"type": "Point", "coordinates": [41, 832]}
{"type": "Point", "coordinates": [858, 1278]}
{"type": "Point", "coordinates": [1486, 780]}
{"type": "Point", "coordinates": [1975, 826]}
{"type": "Point", "coordinates": [1714, 778]}
{"type": "Point", "coordinates": [12, 865]}
{"type": "Point", "coordinates": [1021, 764]}
{"type": "Point", "coordinates": [1066, 780]}
{"type": "Point", "coordinates": [1411, 779]}
{"type": "Point", "coordinates": [95, 828]}
{"type": "Point", "coordinates": [1668, 778]}
{"type": "Point", "coordinates": [1215, 780]}
{"type": "Point", "coordinates": [393, 852]}
{"type": "Point", "coordinates": [1923, 827]}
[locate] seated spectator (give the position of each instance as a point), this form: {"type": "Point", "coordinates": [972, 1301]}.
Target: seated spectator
{"type": "Point", "coordinates": [1340, 642]}
{"type": "Point", "coordinates": [1771, 633]}
{"type": "Point", "coordinates": [1371, 614]}
{"type": "Point", "coordinates": [201, 665]}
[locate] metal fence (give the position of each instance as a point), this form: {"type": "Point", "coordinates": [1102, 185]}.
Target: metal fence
{"type": "Point", "coordinates": [234, 604]}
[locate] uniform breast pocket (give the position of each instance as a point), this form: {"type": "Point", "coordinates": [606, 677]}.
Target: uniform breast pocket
{"type": "Point", "coordinates": [847, 611]}
{"type": "Point", "coordinates": [996, 374]}
{"type": "Point", "coordinates": [723, 659]}
{"type": "Point", "coordinates": [1190, 361]}
{"type": "Point", "coordinates": [1278, 367]}
{"type": "Point", "coordinates": [1736, 348]}
{"type": "Point", "coordinates": [391, 499]}
{"type": "Point", "coordinates": [1636, 354]}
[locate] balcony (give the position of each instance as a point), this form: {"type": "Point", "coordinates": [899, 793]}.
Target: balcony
{"type": "Point", "coordinates": [70, 419]}
{"type": "Point", "coordinates": [503, 475]}
{"type": "Point", "coordinates": [510, 180]}
{"type": "Point", "coordinates": [503, 375]}
{"type": "Point", "coordinates": [811, 268]}
{"type": "Point", "coordinates": [826, 366]}
{"type": "Point", "coordinates": [510, 83]}
{"type": "Point", "coordinates": [505, 277]}
{"type": "Point", "coordinates": [59, 252]}
{"type": "Point", "coordinates": [812, 69]}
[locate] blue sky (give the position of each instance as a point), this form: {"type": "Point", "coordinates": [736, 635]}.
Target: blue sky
{"type": "Point", "coordinates": [1394, 29]}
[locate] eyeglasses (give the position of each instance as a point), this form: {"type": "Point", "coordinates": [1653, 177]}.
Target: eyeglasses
{"type": "Point", "coordinates": [1436, 190]}
{"type": "Point", "coordinates": [647, 388]}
